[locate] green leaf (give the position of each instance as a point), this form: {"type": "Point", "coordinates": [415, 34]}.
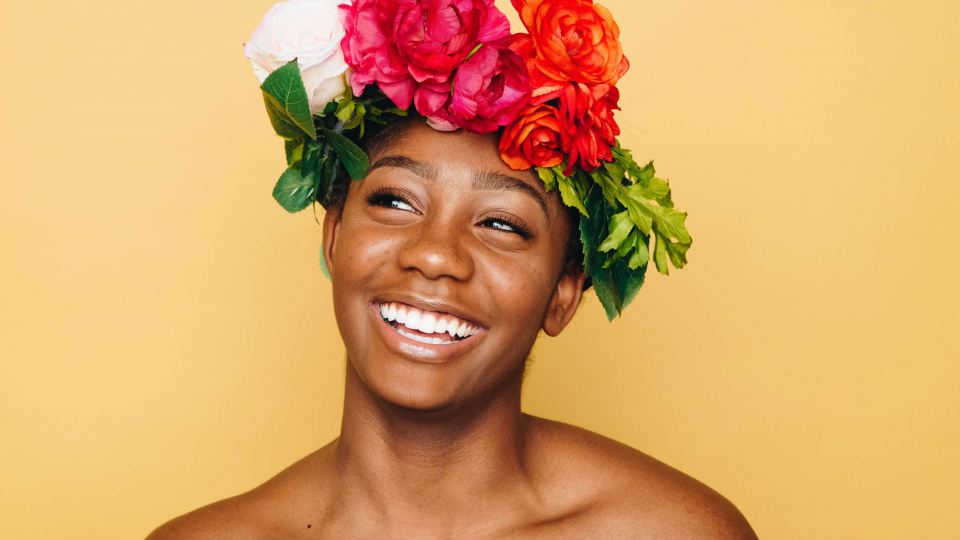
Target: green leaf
{"type": "Point", "coordinates": [611, 184]}
{"type": "Point", "coordinates": [288, 104]}
{"type": "Point", "coordinates": [360, 112]}
{"type": "Point", "coordinates": [676, 251]}
{"type": "Point", "coordinates": [293, 192]}
{"type": "Point", "coordinates": [654, 189]}
{"type": "Point", "coordinates": [353, 158]}
{"type": "Point", "coordinates": [621, 252]}
{"type": "Point", "coordinates": [617, 284]}
{"type": "Point", "coordinates": [620, 227]}
{"type": "Point", "coordinates": [329, 170]}
{"type": "Point", "coordinates": [313, 152]}
{"type": "Point", "coordinates": [624, 159]}
{"type": "Point", "coordinates": [323, 264]}
{"type": "Point", "coordinates": [671, 223]}
{"type": "Point", "coordinates": [639, 210]}
{"type": "Point", "coordinates": [646, 173]}
{"type": "Point", "coordinates": [548, 177]}
{"type": "Point", "coordinates": [569, 195]}
{"type": "Point", "coordinates": [642, 254]}
{"type": "Point", "coordinates": [638, 199]}
{"type": "Point", "coordinates": [294, 151]}
{"type": "Point", "coordinates": [666, 201]}
{"type": "Point", "coordinates": [345, 110]}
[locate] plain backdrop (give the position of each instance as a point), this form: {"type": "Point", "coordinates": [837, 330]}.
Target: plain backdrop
{"type": "Point", "coordinates": [167, 338]}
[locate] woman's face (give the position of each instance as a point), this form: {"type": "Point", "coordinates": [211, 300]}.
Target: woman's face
{"type": "Point", "coordinates": [446, 264]}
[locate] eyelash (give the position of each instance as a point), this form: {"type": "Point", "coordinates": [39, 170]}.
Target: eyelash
{"type": "Point", "coordinates": [519, 228]}
{"type": "Point", "coordinates": [386, 196]}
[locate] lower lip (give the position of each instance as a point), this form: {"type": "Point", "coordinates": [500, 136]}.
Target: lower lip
{"type": "Point", "coordinates": [422, 352]}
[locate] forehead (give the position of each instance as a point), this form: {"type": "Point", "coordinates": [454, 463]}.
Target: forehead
{"type": "Point", "coordinates": [460, 151]}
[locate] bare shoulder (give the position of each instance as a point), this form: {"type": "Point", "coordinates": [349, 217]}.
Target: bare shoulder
{"type": "Point", "coordinates": [274, 509]}
{"type": "Point", "coordinates": [627, 493]}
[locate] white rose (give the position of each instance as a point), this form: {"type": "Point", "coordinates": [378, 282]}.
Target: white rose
{"type": "Point", "coordinates": [310, 31]}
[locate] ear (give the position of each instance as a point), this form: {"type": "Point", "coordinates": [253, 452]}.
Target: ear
{"type": "Point", "coordinates": [331, 225]}
{"type": "Point", "coordinates": [564, 303]}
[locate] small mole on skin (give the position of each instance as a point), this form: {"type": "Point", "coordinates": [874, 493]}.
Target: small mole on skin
{"type": "Point", "coordinates": [308, 526]}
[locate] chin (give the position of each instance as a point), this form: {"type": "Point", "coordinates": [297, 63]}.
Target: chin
{"type": "Point", "coordinates": [419, 387]}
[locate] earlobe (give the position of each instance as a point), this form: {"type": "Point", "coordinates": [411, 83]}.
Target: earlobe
{"type": "Point", "coordinates": [564, 303]}
{"type": "Point", "coordinates": [331, 225]}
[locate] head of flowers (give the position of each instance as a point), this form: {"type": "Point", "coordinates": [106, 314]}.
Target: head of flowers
{"type": "Point", "coordinates": [328, 68]}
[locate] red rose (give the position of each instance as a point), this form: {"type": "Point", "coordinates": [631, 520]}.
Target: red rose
{"type": "Point", "coordinates": [575, 40]}
{"type": "Point", "coordinates": [534, 139]}
{"type": "Point", "coordinates": [586, 117]}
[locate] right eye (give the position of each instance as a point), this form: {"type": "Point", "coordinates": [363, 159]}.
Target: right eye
{"type": "Point", "coordinates": [388, 199]}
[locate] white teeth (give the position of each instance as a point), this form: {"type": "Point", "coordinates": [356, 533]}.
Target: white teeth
{"type": "Point", "coordinates": [421, 339]}
{"type": "Point", "coordinates": [413, 319]}
{"type": "Point", "coordinates": [427, 323]}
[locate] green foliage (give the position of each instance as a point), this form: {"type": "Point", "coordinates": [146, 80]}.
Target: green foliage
{"type": "Point", "coordinates": [323, 264]}
{"type": "Point", "coordinates": [288, 105]}
{"type": "Point", "coordinates": [294, 151]}
{"type": "Point", "coordinates": [624, 208]}
{"type": "Point", "coordinates": [614, 280]}
{"type": "Point", "coordinates": [293, 192]}
{"type": "Point", "coordinates": [548, 177]}
{"type": "Point", "coordinates": [648, 202]}
{"type": "Point", "coordinates": [354, 160]}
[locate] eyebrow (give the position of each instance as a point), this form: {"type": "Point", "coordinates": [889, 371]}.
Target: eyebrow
{"type": "Point", "coordinates": [482, 181]}
{"type": "Point", "coordinates": [419, 168]}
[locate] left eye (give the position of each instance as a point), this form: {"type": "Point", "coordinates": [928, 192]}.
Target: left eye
{"type": "Point", "coordinates": [502, 225]}
{"type": "Point", "coordinates": [506, 226]}
{"type": "Point", "coordinates": [400, 204]}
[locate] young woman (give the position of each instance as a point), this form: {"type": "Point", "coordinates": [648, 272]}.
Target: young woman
{"type": "Point", "coordinates": [446, 264]}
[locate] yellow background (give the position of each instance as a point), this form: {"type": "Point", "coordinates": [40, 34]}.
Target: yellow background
{"type": "Point", "coordinates": [167, 338]}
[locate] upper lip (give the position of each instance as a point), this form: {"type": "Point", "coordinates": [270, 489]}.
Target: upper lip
{"type": "Point", "coordinates": [425, 304]}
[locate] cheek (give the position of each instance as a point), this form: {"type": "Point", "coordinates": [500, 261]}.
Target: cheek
{"type": "Point", "coordinates": [522, 287]}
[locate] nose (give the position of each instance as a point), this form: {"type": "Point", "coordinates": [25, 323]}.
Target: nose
{"type": "Point", "coordinates": [436, 249]}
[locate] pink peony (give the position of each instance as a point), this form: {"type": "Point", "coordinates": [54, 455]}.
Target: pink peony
{"type": "Point", "coordinates": [399, 44]}
{"type": "Point", "coordinates": [436, 36]}
{"type": "Point", "coordinates": [369, 48]}
{"type": "Point", "coordinates": [489, 90]}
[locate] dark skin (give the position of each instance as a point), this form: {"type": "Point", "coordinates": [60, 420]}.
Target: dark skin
{"type": "Point", "coordinates": [433, 443]}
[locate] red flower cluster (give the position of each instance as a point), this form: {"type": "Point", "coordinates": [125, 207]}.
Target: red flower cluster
{"type": "Point", "coordinates": [573, 55]}
{"type": "Point", "coordinates": [447, 57]}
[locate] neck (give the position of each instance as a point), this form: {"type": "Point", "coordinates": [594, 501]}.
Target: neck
{"type": "Point", "coordinates": [397, 461]}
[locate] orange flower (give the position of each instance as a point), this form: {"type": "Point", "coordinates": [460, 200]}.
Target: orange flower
{"type": "Point", "coordinates": [534, 139]}
{"type": "Point", "coordinates": [575, 40]}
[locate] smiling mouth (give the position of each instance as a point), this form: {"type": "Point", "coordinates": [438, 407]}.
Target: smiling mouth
{"type": "Point", "coordinates": [429, 327]}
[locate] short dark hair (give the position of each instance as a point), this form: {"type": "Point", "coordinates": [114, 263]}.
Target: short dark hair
{"type": "Point", "coordinates": [380, 137]}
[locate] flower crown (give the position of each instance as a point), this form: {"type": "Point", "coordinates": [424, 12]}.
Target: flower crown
{"type": "Point", "coordinates": [328, 67]}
